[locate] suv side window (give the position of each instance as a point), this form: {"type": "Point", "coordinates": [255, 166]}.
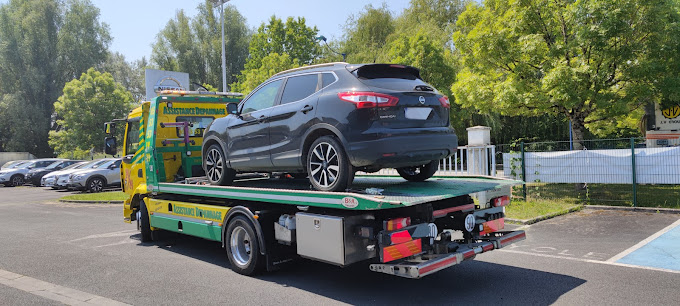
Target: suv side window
{"type": "Point", "coordinates": [299, 87]}
{"type": "Point", "coordinates": [327, 79]}
{"type": "Point", "coordinates": [262, 98]}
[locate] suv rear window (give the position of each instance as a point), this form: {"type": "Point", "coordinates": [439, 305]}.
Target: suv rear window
{"type": "Point", "coordinates": [392, 77]}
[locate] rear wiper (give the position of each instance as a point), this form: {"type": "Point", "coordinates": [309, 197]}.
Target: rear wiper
{"type": "Point", "coordinates": [424, 88]}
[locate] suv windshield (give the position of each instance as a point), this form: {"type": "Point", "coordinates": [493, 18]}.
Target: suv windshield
{"type": "Point", "coordinates": [106, 164]}
{"type": "Point", "coordinates": [54, 165]}
{"type": "Point", "coordinates": [96, 164]}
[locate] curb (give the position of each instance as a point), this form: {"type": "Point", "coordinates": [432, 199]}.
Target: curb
{"type": "Point", "coordinates": [637, 209]}
{"type": "Point", "coordinates": [544, 217]}
{"type": "Point", "coordinates": [91, 202]}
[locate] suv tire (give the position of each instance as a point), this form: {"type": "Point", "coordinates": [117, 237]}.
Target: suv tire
{"type": "Point", "coordinates": [419, 173]}
{"type": "Point", "coordinates": [216, 166]}
{"type": "Point", "coordinates": [327, 164]}
{"type": "Point", "coordinates": [95, 184]}
{"type": "Point", "coordinates": [16, 180]}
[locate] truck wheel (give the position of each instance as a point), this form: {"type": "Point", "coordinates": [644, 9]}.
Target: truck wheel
{"type": "Point", "coordinates": [144, 225]}
{"type": "Point", "coordinates": [243, 248]}
{"type": "Point", "coordinates": [328, 167]}
{"type": "Point", "coordinates": [16, 180]}
{"type": "Point", "coordinates": [419, 173]}
{"type": "Point", "coordinates": [95, 184]}
{"type": "Point", "coordinates": [216, 169]}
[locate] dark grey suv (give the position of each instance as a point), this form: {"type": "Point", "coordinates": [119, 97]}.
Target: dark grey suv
{"type": "Point", "coordinates": [328, 121]}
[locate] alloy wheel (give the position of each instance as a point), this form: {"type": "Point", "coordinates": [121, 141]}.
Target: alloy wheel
{"type": "Point", "coordinates": [325, 164]}
{"type": "Point", "coordinates": [215, 165]}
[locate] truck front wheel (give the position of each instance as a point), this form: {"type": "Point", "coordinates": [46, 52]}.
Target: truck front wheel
{"type": "Point", "coordinates": [243, 248]}
{"type": "Point", "coordinates": [144, 225]}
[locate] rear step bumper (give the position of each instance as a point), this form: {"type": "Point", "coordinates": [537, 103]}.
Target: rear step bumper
{"type": "Point", "coordinates": [423, 265]}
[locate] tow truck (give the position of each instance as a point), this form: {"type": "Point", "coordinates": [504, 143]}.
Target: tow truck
{"type": "Point", "coordinates": [407, 229]}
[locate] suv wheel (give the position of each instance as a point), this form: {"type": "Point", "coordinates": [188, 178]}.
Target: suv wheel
{"type": "Point", "coordinates": [419, 173]}
{"type": "Point", "coordinates": [216, 167]}
{"type": "Point", "coordinates": [95, 184]}
{"type": "Point", "coordinates": [16, 180]}
{"type": "Point", "coordinates": [328, 166]}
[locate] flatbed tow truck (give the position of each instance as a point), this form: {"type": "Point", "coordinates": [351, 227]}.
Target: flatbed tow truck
{"type": "Point", "coordinates": [408, 229]}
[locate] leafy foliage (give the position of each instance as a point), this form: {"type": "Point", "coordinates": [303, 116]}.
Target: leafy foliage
{"type": "Point", "coordinates": [43, 43]}
{"type": "Point", "coordinates": [269, 65]}
{"type": "Point", "coordinates": [87, 103]}
{"type": "Point", "coordinates": [589, 60]}
{"type": "Point", "coordinates": [130, 75]}
{"type": "Point", "coordinates": [367, 33]}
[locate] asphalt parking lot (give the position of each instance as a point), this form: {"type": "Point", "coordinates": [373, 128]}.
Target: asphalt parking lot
{"type": "Point", "coordinates": [52, 253]}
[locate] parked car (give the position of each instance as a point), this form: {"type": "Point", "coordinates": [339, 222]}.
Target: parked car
{"type": "Point", "coordinates": [50, 179]}
{"type": "Point", "coordinates": [34, 176]}
{"type": "Point", "coordinates": [11, 163]}
{"type": "Point", "coordinates": [63, 179]}
{"type": "Point", "coordinates": [14, 176]}
{"type": "Point", "coordinates": [95, 179]}
{"type": "Point", "coordinates": [328, 121]}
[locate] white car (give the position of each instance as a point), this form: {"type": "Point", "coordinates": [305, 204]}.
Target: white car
{"type": "Point", "coordinates": [96, 179]}
{"type": "Point", "coordinates": [62, 179]}
{"type": "Point", "coordinates": [14, 175]}
{"type": "Point", "coordinates": [50, 179]}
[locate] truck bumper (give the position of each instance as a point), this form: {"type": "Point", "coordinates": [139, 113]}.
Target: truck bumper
{"type": "Point", "coordinates": [423, 265]}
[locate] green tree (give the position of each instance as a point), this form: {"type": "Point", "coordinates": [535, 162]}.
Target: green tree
{"type": "Point", "coordinates": [43, 43]}
{"type": "Point", "coordinates": [271, 64]}
{"type": "Point", "coordinates": [293, 37]}
{"type": "Point", "coordinates": [87, 103]}
{"type": "Point", "coordinates": [367, 33]}
{"type": "Point", "coordinates": [128, 74]}
{"type": "Point", "coordinates": [193, 45]}
{"type": "Point", "coordinates": [590, 60]}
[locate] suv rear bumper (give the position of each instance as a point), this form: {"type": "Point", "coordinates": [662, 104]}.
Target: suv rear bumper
{"type": "Point", "coordinates": [392, 150]}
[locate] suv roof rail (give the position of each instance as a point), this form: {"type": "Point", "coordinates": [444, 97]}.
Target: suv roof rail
{"type": "Point", "coordinates": [310, 67]}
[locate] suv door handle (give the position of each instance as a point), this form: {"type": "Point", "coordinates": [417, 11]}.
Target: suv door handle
{"type": "Point", "coordinates": [306, 109]}
{"type": "Point", "coordinates": [261, 119]}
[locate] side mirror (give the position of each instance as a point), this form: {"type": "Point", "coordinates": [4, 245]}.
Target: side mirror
{"type": "Point", "coordinates": [232, 108]}
{"type": "Point", "coordinates": [110, 147]}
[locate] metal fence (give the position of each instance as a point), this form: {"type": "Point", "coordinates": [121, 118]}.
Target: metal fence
{"type": "Point", "coordinates": [608, 172]}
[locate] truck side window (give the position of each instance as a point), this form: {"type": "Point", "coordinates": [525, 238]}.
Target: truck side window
{"type": "Point", "coordinates": [132, 136]}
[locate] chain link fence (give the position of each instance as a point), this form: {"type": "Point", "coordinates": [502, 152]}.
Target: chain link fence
{"type": "Point", "coordinates": [598, 172]}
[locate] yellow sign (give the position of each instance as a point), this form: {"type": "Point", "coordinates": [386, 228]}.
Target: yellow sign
{"type": "Point", "coordinates": [671, 113]}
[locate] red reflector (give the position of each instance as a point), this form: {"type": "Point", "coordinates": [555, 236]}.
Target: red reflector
{"type": "Point", "coordinates": [400, 237]}
{"type": "Point", "coordinates": [444, 100]}
{"type": "Point", "coordinates": [368, 99]}
{"type": "Point", "coordinates": [395, 224]}
{"type": "Point", "coordinates": [402, 250]}
{"type": "Point", "coordinates": [501, 201]}
{"type": "Point", "coordinates": [493, 226]}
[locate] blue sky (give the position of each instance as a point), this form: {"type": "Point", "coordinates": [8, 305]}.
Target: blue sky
{"type": "Point", "coordinates": [134, 24]}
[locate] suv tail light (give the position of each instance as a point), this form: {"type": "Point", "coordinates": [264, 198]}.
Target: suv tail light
{"type": "Point", "coordinates": [368, 99]}
{"type": "Point", "coordinates": [444, 100]}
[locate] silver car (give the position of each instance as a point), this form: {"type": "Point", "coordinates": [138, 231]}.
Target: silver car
{"type": "Point", "coordinates": [14, 175]}
{"type": "Point", "coordinates": [62, 179]}
{"type": "Point", "coordinates": [96, 179]}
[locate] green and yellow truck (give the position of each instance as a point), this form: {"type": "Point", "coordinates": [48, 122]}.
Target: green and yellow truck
{"type": "Point", "coordinates": [408, 229]}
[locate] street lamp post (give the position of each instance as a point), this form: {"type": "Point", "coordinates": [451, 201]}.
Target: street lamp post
{"type": "Point", "coordinates": [224, 56]}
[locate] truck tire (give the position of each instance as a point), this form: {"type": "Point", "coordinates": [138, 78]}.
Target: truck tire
{"type": "Point", "coordinates": [215, 164]}
{"type": "Point", "coordinates": [328, 167]}
{"type": "Point", "coordinates": [16, 180]}
{"type": "Point", "coordinates": [144, 225]}
{"type": "Point", "coordinates": [419, 173]}
{"type": "Point", "coordinates": [95, 184]}
{"type": "Point", "coordinates": [243, 248]}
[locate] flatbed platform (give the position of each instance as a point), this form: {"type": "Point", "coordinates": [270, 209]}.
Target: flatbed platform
{"type": "Point", "coordinates": [366, 193]}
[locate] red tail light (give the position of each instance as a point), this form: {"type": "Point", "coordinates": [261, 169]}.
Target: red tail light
{"type": "Point", "coordinates": [444, 100]}
{"type": "Point", "coordinates": [395, 224]}
{"type": "Point", "coordinates": [368, 99]}
{"type": "Point", "coordinates": [501, 201]}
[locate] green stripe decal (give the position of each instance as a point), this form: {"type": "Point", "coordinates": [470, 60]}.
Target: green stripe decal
{"type": "Point", "coordinates": [193, 228]}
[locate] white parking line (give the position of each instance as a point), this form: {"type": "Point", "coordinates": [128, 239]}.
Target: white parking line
{"type": "Point", "coordinates": [644, 242]}
{"type": "Point", "coordinates": [591, 261]}
{"type": "Point", "coordinates": [51, 291]}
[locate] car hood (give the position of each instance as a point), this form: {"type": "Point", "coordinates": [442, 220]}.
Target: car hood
{"type": "Point", "coordinates": [13, 171]}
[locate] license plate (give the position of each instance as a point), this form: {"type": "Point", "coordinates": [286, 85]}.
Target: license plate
{"type": "Point", "coordinates": [417, 113]}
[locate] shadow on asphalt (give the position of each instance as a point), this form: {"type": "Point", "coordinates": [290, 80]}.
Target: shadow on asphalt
{"type": "Point", "coordinates": [471, 282]}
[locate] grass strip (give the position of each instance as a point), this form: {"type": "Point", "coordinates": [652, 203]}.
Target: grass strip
{"type": "Point", "coordinates": [535, 208]}
{"type": "Point", "coordinates": [96, 197]}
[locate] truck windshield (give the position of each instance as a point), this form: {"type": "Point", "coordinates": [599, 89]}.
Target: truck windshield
{"type": "Point", "coordinates": [198, 125]}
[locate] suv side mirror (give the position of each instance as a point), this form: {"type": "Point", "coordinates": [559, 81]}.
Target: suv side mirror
{"type": "Point", "coordinates": [110, 147]}
{"type": "Point", "coordinates": [232, 108]}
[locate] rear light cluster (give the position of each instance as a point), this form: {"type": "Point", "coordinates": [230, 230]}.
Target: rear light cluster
{"type": "Point", "coordinates": [368, 99]}
{"type": "Point", "coordinates": [501, 201]}
{"type": "Point", "coordinates": [444, 100]}
{"type": "Point", "coordinates": [395, 224]}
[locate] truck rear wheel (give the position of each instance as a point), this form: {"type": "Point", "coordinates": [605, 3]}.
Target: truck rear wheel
{"type": "Point", "coordinates": [243, 248]}
{"type": "Point", "coordinates": [419, 173]}
{"type": "Point", "coordinates": [144, 225]}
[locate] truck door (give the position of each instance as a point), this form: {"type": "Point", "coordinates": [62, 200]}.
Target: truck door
{"type": "Point", "coordinates": [132, 166]}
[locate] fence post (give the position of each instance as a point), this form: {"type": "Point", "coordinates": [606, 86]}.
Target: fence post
{"type": "Point", "coordinates": [524, 175]}
{"type": "Point", "coordinates": [632, 158]}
